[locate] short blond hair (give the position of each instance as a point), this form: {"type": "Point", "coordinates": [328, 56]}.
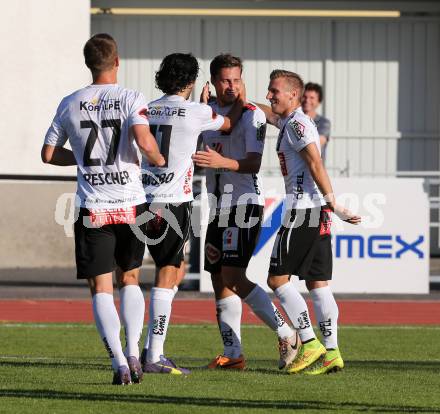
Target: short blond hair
{"type": "Point", "coordinates": [294, 80]}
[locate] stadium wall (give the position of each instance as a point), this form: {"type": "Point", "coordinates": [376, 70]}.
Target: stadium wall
{"type": "Point", "coordinates": [42, 61]}
{"type": "Point", "coordinates": [30, 236]}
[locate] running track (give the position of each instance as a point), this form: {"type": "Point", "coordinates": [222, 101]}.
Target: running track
{"type": "Point", "coordinates": [202, 311]}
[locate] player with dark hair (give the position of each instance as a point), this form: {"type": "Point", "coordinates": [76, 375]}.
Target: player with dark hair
{"type": "Point", "coordinates": [312, 99]}
{"type": "Point", "coordinates": [303, 243]}
{"type": "Point", "coordinates": [232, 163]}
{"type": "Point", "coordinates": [106, 125]}
{"type": "Point", "coordinates": [176, 123]}
{"type": "Point", "coordinates": [176, 72]}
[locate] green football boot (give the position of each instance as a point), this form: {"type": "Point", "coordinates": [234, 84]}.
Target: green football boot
{"type": "Point", "coordinates": [328, 363]}
{"type": "Point", "coordinates": [307, 355]}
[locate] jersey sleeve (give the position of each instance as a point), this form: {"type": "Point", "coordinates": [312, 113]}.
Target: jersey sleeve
{"type": "Point", "coordinates": [324, 127]}
{"type": "Point", "coordinates": [56, 135]}
{"type": "Point", "coordinates": [138, 112]}
{"type": "Point", "coordinates": [299, 134]}
{"type": "Point", "coordinates": [254, 126]}
{"type": "Point", "coordinates": [209, 119]}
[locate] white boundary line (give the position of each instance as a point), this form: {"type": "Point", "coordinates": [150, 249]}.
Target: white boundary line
{"type": "Point", "coordinates": [186, 326]}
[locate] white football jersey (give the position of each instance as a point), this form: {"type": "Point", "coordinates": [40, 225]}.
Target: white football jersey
{"type": "Point", "coordinates": [296, 132]}
{"type": "Point", "coordinates": [233, 188]}
{"type": "Point", "coordinates": [96, 120]}
{"type": "Point", "coordinates": [176, 123]}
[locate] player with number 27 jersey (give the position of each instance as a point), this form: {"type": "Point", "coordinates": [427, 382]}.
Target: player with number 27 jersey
{"type": "Point", "coordinates": [176, 123]}
{"type": "Point", "coordinates": [97, 120]}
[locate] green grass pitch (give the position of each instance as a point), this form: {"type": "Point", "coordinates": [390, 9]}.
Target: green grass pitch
{"type": "Point", "coordinates": [64, 369]}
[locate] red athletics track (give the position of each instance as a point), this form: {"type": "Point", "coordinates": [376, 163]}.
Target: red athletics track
{"type": "Point", "coordinates": [199, 311]}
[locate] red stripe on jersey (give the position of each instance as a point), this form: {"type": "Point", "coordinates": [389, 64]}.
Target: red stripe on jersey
{"type": "Point", "coordinates": [283, 164]}
{"type": "Point", "coordinates": [249, 107]}
{"type": "Point", "coordinates": [144, 113]}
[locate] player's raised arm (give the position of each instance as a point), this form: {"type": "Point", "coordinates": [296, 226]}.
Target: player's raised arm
{"type": "Point", "coordinates": [271, 117]}
{"type": "Point", "coordinates": [233, 116]}
{"type": "Point", "coordinates": [147, 144]}
{"type": "Point", "coordinates": [312, 157]}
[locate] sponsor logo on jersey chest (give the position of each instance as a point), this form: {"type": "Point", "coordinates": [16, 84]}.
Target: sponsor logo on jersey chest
{"type": "Point", "coordinates": [166, 111]}
{"type": "Point", "coordinates": [100, 105]}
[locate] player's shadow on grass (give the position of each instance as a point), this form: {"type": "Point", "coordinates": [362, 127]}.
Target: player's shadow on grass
{"type": "Point", "coordinates": [54, 364]}
{"type": "Point", "coordinates": [213, 402]}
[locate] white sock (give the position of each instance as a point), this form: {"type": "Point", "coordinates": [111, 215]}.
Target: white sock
{"type": "Point", "coordinates": [147, 337]}
{"type": "Point", "coordinates": [296, 309]}
{"type": "Point", "coordinates": [132, 315]}
{"type": "Point", "coordinates": [160, 313]}
{"type": "Point", "coordinates": [109, 327]}
{"type": "Point", "coordinates": [263, 307]}
{"type": "Point", "coordinates": [229, 322]}
{"type": "Point", "coordinates": [327, 313]}
{"type": "Point", "coordinates": [283, 330]}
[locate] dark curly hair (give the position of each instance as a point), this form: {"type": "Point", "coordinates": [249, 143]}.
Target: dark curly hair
{"type": "Point", "coordinates": [176, 72]}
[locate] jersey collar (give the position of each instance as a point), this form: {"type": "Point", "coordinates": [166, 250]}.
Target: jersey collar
{"type": "Point", "coordinates": [102, 85]}
{"type": "Point", "coordinates": [297, 110]}
{"type": "Point", "coordinates": [176, 98]}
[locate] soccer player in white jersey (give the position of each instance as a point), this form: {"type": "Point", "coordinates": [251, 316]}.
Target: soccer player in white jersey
{"type": "Point", "coordinates": [303, 243]}
{"type": "Point", "coordinates": [232, 163]}
{"type": "Point", "coordinates": [106, 125]}
{"type": "Point", "coordinates": [176, 123]}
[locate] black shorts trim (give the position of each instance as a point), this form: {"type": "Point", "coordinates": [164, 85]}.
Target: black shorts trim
{"type": "Point", "coordinates": [230, 244]}
{"type": "Point", "coordinates": [98, 250]}
{"type": "Point", "coordinates": [167, 231]}
{"type": "Point", "coordinates": [303, 247]}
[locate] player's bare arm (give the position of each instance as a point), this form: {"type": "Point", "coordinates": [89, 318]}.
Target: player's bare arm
{"type": "Point", "coordinates": [148, 145]}
{"type": "Point", "coordinates": [212, 159]}
{"type": "Point", "coordinates": [271, 117]}
{"type": "Point", "coordinates": [56, 155]}
{"type": "Point", "coordinates": [312, 157]}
